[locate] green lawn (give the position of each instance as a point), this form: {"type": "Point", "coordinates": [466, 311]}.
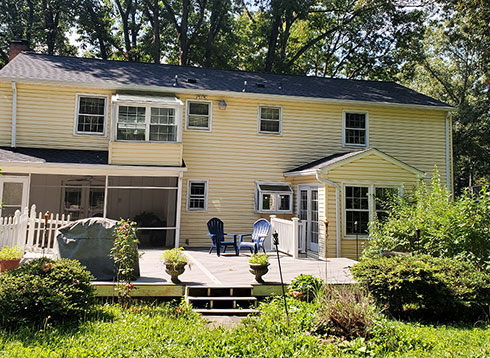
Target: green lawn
{"type": "Point", "coordinates": [165, 331]}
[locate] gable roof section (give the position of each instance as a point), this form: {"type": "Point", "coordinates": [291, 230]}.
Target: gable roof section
{"type": "Point", "coordinates": [31, 67]}
{"type": "Point", "coordinates": [336, 160]}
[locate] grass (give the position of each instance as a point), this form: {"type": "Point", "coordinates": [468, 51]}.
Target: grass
{"type": "Point", "coordinates": [170, 331]}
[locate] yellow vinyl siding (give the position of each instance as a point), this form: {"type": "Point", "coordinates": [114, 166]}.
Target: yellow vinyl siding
{"type": "Point", "coordinates": [161, 154]}
{"type": "Point", "coordinates": [5, 113]}
{"type": "Point", "coordinates": [46, 118]}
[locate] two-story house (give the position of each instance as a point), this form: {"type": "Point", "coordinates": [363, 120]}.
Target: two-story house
{"type": "Point", "coordinates": [172, 147]}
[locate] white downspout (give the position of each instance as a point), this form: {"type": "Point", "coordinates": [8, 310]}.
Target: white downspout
{"type": "Point", "coordinates": [14, 114]}
{"type": "Point", "coordinates": [448, 152]}
{"type": "Point", "coordinates": [177, 214]}
{"type": "Point", "coordinates": [337, 211]}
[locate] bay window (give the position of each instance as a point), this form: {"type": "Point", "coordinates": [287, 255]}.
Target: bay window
{"type": "Point", "coordinates": [274, 198]}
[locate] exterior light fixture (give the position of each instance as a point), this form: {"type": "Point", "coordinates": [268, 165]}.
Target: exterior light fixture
{"type": "Point", "coordinates": [222, 104]}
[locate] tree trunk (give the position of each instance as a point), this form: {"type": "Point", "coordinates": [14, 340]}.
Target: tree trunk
{"type": "Point", "coordinates": [214, 26]}
{"type": "Point", "coordinates": [272, 44]}
{"type": "Point", "coordinates": [184, 24]}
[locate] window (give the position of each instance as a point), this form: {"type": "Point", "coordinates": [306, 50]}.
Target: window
{"type": "Point", "coordinates": [197, 195]}
{"type": "Point", "coordinates": [274, 198]}
{"type": "Point", "coordinates": [137, 123]}
{"type": "Point", "coordinates": [355, 129]}
{"type": "Point", "coordinates": [363, 204]}
{"type": "Point", "coordinates": [270, 119]}
{"type": "Point", "coordinates": [356, 209]}
{"type": "Point", "coordinates": [91, 115]}
{"type": "Point", "coordinates": [199, 115]}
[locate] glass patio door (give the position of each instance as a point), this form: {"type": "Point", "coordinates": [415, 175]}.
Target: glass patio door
{"type": "Point", "coordinates": [13, 195]}
{"type": "Point", "coordinates": [308, 214]}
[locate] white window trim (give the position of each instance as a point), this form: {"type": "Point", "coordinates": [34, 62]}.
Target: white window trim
{"type": "Point", "coordinates": [210, 115]}
{"type": "Point", "coordinates": [197, 181]}
{"type": "Point", "coordinates": [148, 107]}
{"type": "Point", "coordinates": [371, 202]}
{"type": "Point", "coordinates": [259, 119]}
{"type": "Point", "coordinates": [344, 144]}
{"type": "Point", "coordinates": [77, 108]}
{"type": "Point", "coordinates": [259, 199]}
{"type": "Point", "coordinates": [25, 189]}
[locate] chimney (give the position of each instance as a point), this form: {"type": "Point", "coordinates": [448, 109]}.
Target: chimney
{"type": "Point", "coordinates": [16, 47]}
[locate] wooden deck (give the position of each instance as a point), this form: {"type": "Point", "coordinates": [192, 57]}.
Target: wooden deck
{"type": "Point", "coordinates": [228, 270]}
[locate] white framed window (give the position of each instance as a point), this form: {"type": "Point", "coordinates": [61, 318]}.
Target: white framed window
{"type": "Point", "coordinates": [273, 198]}
{"type": "Point", "coordinates": [198, 115]}
{"type": "Point", "coordinates": [355, 128]}
{"type": "Point", "coordinates": [197, 195]}
{"type": "Point", "coordinates": [91, 114]}
{"type": "Point", "coordinates": [270, 119]}
{"type": "Point", "coordinates": [14, 192]}
{"type": "Point", "coordinates": [146, 123]}
{"type": "Point", "coordinates": [364, 202]}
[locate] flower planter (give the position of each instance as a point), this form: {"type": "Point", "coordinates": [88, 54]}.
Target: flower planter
{"type": "Point", "coordinates": [175, 271]}
{"type": "Point", "coordinates": [259, 270]}
{"type": "Point", "coordinates": [6, 265]}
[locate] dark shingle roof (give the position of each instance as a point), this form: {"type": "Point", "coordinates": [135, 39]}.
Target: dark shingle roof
{"type": "Point", "coordinates": [317, 164]}
{"type": "Point", "coordinates": [40, 155]}
{"type": "Point", "coordinates": [120, 75]}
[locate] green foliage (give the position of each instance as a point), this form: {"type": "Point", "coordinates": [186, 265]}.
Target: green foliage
{"type": "Point", "coordinates": [174, 256]}
{"type": "Point", "coordinates": [448, 228]}
{"type": "Point", "coordinates": [307, 284]}
{"type": "Point", "coordinates": [11, 253]}
{"type": "Point", "coordinates": [427, 287]}
{"type": "Point", "coordinates": [259, 259]}
{"type": "Point", "coordinates": [45, 290]}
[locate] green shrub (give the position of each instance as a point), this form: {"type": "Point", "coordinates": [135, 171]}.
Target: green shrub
{"type": "Point", "coordinates": [174, 256]}
{"type": "Point", "coordinates": [11, 253]}
{"type": "Point", "coordinates": [427, 287]}
{"type": "Point", "coordinates": [45, 290]}
{"type": "Point", "coordinates": [306, 285]}
{"type": "Point", "coordinates": [345, 312]}
{"type": "Point", "coordinates": [448, 228]}
{"type": "Point", "coordinates": [259, 259]}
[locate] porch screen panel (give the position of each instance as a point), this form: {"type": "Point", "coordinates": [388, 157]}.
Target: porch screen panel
{"type": "Point", "coordinates": [12, 198]}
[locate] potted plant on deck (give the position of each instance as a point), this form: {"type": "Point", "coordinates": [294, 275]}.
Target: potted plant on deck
{"type": "Point", "coordinates": [259, 266]}
{"type": "Point", "coordinates": [10, 258]}
{"type": "Point", "coordinates": [175, 261]}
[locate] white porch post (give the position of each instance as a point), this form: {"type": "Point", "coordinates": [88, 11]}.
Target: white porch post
{"type": "Point", "coordinates": [177, 214]}
{"type": "Point", "coordinates": [295, 237]}
{"type": "Point", "coordinates": [105, 195]}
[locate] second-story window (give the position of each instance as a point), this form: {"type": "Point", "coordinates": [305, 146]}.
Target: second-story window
{"type": "Point", "coordinates": [199, 115]}
{"type": "Point", "coordinates": [91, 115]}
{"type": "Point", "coordinates": [270, 120]}
{"type": "Point", "coordinates": [355, 129]}
{"type": "Point", "coordinates": [146, 124]}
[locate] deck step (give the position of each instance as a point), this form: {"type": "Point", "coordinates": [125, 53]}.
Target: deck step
{"type": "Point", "coordinates": [224, 298]}
{"type": "Point", "coordinates": [226, 311]}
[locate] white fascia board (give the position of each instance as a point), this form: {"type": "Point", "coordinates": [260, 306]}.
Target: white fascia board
{"type": "Point", "coordinates": [274, 97]}
{"type": "Point", "coordinates": [301, 173]}
{"type": "Point", "coordinates": [89, 169]}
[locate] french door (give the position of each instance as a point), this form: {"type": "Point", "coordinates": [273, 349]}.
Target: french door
{"type": "Point", "coordinates": [13, 195]}
{"type": "Point", "coordinates": [308, 214]}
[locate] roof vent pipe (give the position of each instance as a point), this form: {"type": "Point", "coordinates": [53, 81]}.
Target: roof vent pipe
{"type": "Point", "coordinates": [176, 83]}
{"type": "Point", "coordinates": [244, 86]}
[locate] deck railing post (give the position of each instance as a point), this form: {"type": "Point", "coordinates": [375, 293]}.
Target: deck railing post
{"type": "Point", "coordinates": [295, 237]}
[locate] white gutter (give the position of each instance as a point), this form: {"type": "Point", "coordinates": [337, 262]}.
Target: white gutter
{"type": "Point", "coordinates": [14, 114]}
{"type": "Point", "coordinates": [448, 152]}
{"type": "Point", "coordinates": [337, 211]}
{"type": "Point", "coordinates": [218, 93]}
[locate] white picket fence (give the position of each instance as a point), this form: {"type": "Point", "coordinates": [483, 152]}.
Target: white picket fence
{"type": "Point", "coordinates": [292, 234]}
{"type": "Point", "coordinates": [34, 232]}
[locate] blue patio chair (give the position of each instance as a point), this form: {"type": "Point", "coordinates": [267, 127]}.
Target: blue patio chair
{"type": "Point", "coordinates": [217, 234]}
{"type": "Point", "coordinates": [258, 236]}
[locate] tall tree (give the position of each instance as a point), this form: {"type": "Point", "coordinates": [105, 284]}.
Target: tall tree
{"type": "Point", "coordinates": [131, 19]}
{"type": "Point", "coordinates": [152, 10]}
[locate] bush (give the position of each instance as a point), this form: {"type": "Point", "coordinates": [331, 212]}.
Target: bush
{"type": "Point", "coordinates": [345, 312]}
{"type": "Point", "coordinates": [448, 228]}
{"type": "Point", "coordinates": [426, 287]}
{"type": "Point", "coordinates": [11, 253]}
{"type": "Point", "coordinates": [305, 285]}
{"type": "Point", "coordinates": [45, 290]}
{"type": "Point", "coordinates": [174, 256]}
{"type": "Point", "coordinates": [259, 259]}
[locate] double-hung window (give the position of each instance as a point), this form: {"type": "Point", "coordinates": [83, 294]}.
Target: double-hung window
{"type": "Point", "coordinates": [138, 123]}
{"type": "Point", "coordinates": [91, 114]}
{"type": "Point", "coordinates": [355, 131]}
{"type": "Point", "coordinates": [199, 115]}
{"type": "Point", "coordinates": [197, 195]}
{"type": "Point", "coordinates": [274, 198]}
{"type": "Point", "coordinates": [270, 120]}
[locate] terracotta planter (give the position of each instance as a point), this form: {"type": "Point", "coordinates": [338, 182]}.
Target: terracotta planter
{"type": "Point", "coordinates": [175, 271]}
{"type": "Point", "coordinates": [6, 265]}
{"type": "Point", "coordinates": [259, 271]}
